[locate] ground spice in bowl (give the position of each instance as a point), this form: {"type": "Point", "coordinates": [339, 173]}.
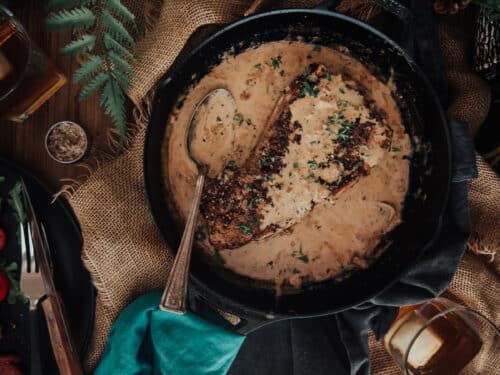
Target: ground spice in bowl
{"type": "Point", "coordinates": [66, 142]}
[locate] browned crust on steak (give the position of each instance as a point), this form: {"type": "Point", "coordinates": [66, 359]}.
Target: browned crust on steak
{"type": "Point", "coordinates": [232, 203]}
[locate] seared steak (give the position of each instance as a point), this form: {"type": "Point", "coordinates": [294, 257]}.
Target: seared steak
{"type": "Point", "coordinates": [314, 145]}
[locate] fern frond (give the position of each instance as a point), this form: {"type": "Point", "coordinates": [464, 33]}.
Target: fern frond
{"type": "Point", "coordinates": [85, 43]}
{"type": "Point", "coordinates": [88, 69]}
{"type": "Point", "coordinates": [93, 85]}
{"type": "Point", "coordinates": [74, 18]}
{"type": "Point", "coordinates": [120, 10]}
{"type": "Point", "coordinates": [116, 28]}
{"type": "Point", "coordinates": [120, 63]}
{"type": "Point", "coordinates": [113, 100]}
{"type": "Point", "coordinates": [112, 44]}
{"type": "Point", "coordinates": [121, 78]}
{"type": "Point", "coordinates": [52, 4]}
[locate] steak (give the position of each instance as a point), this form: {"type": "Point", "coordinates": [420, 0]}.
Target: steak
{"type": "Point", "coordinates": [256, 200]}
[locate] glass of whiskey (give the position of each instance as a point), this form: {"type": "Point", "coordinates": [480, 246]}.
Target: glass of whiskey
{"type": "Point", "coordinates": [27, 77]}
{"type": "Point", "coordinates": [441, 337]}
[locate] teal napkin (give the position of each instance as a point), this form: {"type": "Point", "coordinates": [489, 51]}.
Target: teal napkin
{"type": "Point", "coordinates": [146, 340]}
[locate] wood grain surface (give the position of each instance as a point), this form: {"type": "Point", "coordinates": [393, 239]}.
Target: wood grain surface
{"type": "Point", "coordinates": [24, 143]}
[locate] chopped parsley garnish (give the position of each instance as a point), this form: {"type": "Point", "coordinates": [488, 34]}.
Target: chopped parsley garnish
{"type": "Point", "coordinates": [295, 165]}
{"type": "Point", "coordinates": [253, 201]}
{"type": "Point", "coordinates": [312, 164]}
{"type": "Point", "coordinates": [313, 142]}
{"type": "Point", "coordinates": [345, 132]}
{"type": "Point", "coordinates": [216, 256]}
{"type": "Point", "coordinates": [249, 187]}
{"type": "Point", "coordinates": [328, 76]}
{"type": "Point", "coordinates": [249, 121]}
{"type": "Point", "coordinates": [238, 117]}
{"type": "Point", "coordinates": [300, 255]}
{"type": "Point", "coordinates": [282, 73]}
{"type": "Point", "coordinates": [396, 149]}
{"type": "Point", "coordinates": [245, 229]}
{"type": "Point", "coordinates": [200, 234]}
{"type": "Point", "coordinates": [232, 165]}
{"type": "Point", "coordinates": [310, 89]}
{"type": "Point", "coordinates": [276, 62]}
{"type": "Point", "coordinates": [317, 48]}
{"type": "Point", "coordinates": [268, 179]}
{"type": "Point", "coordinates": [258, 66]}
{"type": "Point", "coordinates": [358, 164]}
{"type": "Point", "coordinates": [218, 119]}
{"type": "Point", "coordinates": [295, 271]}
{"type": "Point", "coordinates": [342, 91]}
{"type": "Point", "coordinates": [342, 104]}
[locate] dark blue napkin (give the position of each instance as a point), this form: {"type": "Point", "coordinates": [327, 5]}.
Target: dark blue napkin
{"type": "Point", "coordinates": [339, 344]}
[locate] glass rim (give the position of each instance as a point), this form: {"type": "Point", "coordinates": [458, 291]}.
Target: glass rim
{"type": "Point", "coordinates": [440, 315]}
{"type": "Point", "coordinates": [9, 16]}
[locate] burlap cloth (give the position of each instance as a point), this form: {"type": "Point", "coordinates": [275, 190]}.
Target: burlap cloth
{"type": "Point", "coordinates": [122, 247]}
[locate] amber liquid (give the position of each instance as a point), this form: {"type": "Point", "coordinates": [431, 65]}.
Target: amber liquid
{"type": "Point", "coordinates": [26, 82]}
{"type": "Point", "coordinates": [445, 347]}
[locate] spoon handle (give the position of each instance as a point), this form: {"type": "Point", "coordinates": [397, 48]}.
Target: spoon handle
{"type": "Point", "coordinates": [174, 295]}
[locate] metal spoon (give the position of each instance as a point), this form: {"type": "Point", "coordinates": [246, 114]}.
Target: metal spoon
{"type": "Point", "coordinates": [174, 295]}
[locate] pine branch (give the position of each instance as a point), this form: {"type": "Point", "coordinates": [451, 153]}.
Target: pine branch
{"type": "Point", "coordinates": [93, 85]}
{"type": "Point", "coordinates": [114, 27]}
{"type": "Point", "coordinates": [113, 100]}
{"type": "Point", "coordinates": [112, 44]}
{"type": "Point", "coordinates": [53, 4]}
{"type": "Point", "coordinates": [121, 78]}
{"type": "Point", "coordinates": [74, 18]}
{"type": "Point", "coordinates": [88, 69]}
{"type": "Point", "coordinates": [85, 43]}
{"type": "Point", "coordinates": [120, 63]}
{"type": "Point", "coordinates": [120, 10]}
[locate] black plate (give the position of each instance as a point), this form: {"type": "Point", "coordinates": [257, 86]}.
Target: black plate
{"type": "Point", "coordinates": [71, 278]}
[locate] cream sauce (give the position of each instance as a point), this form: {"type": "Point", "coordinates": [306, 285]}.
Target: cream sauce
{"type": "Point", "coordinates": [333, 235]}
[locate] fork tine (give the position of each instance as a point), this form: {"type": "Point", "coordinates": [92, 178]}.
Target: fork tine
{"type": "Point", "coordinates": [24, 250]}
{"type": "Point", "coordinates": [33, 258]}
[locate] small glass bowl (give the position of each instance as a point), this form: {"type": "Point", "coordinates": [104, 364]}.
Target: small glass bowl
{"type": "Point", "coordinates": [62, 144]}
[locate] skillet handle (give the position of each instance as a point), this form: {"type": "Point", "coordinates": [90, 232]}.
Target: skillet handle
{"type": "Point", "coordinates": [232, 322]}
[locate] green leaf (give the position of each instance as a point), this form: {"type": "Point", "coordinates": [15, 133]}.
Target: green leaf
{"type": "Point", "coordinates": [122, 79]}
{"type": "Point", "coordinates": [88, 69]}
{"type": "Point", "coordinates": [16, 202]}
{"type": "Point", "coordinates": [15, 292]}
{"type": "Point", "coordinates": [120, 10]}
{"type": "Point", "coordinates": [62, 3]}
{"type": "Point", "coordinates": [93, 85]}
{"type": "Point", "coordinates": [74, 18]}
{"type": "Point", "coordinates": [111, 44]}
{"type": "Point", "coordinates": [120, 63]}
{"type": "Point", "coordinates": [116, 28]}
{"type": "Point", "coordinates": [85, 43]}
{"type": "Point", "coordinates": [113, 100]}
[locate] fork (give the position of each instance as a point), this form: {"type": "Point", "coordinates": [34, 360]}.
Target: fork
{"type": "Point", "coordinates": [33, 287]}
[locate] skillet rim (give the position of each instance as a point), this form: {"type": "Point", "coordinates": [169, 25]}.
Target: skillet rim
{"type": "Point", "coordinates": [227, 303]}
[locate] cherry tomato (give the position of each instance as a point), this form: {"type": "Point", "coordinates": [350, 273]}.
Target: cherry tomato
{"type": "Point", "coordinates": [3, 239]}
{"type": "Point", "coordinates": [4, 286]}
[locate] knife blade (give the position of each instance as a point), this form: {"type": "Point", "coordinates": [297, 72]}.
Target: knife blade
{"type": "Point", "coordinates": [62, 342]}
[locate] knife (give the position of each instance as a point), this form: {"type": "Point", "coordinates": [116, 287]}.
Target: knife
{"type": "Point", "coordinates": [62, 342]}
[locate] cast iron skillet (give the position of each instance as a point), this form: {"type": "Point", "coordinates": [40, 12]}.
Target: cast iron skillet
{"type": "Point", "coordinates": [429, 172]}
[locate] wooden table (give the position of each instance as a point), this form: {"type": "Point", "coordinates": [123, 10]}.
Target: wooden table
{"type": "Point", "coordinates": [24, 143]}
